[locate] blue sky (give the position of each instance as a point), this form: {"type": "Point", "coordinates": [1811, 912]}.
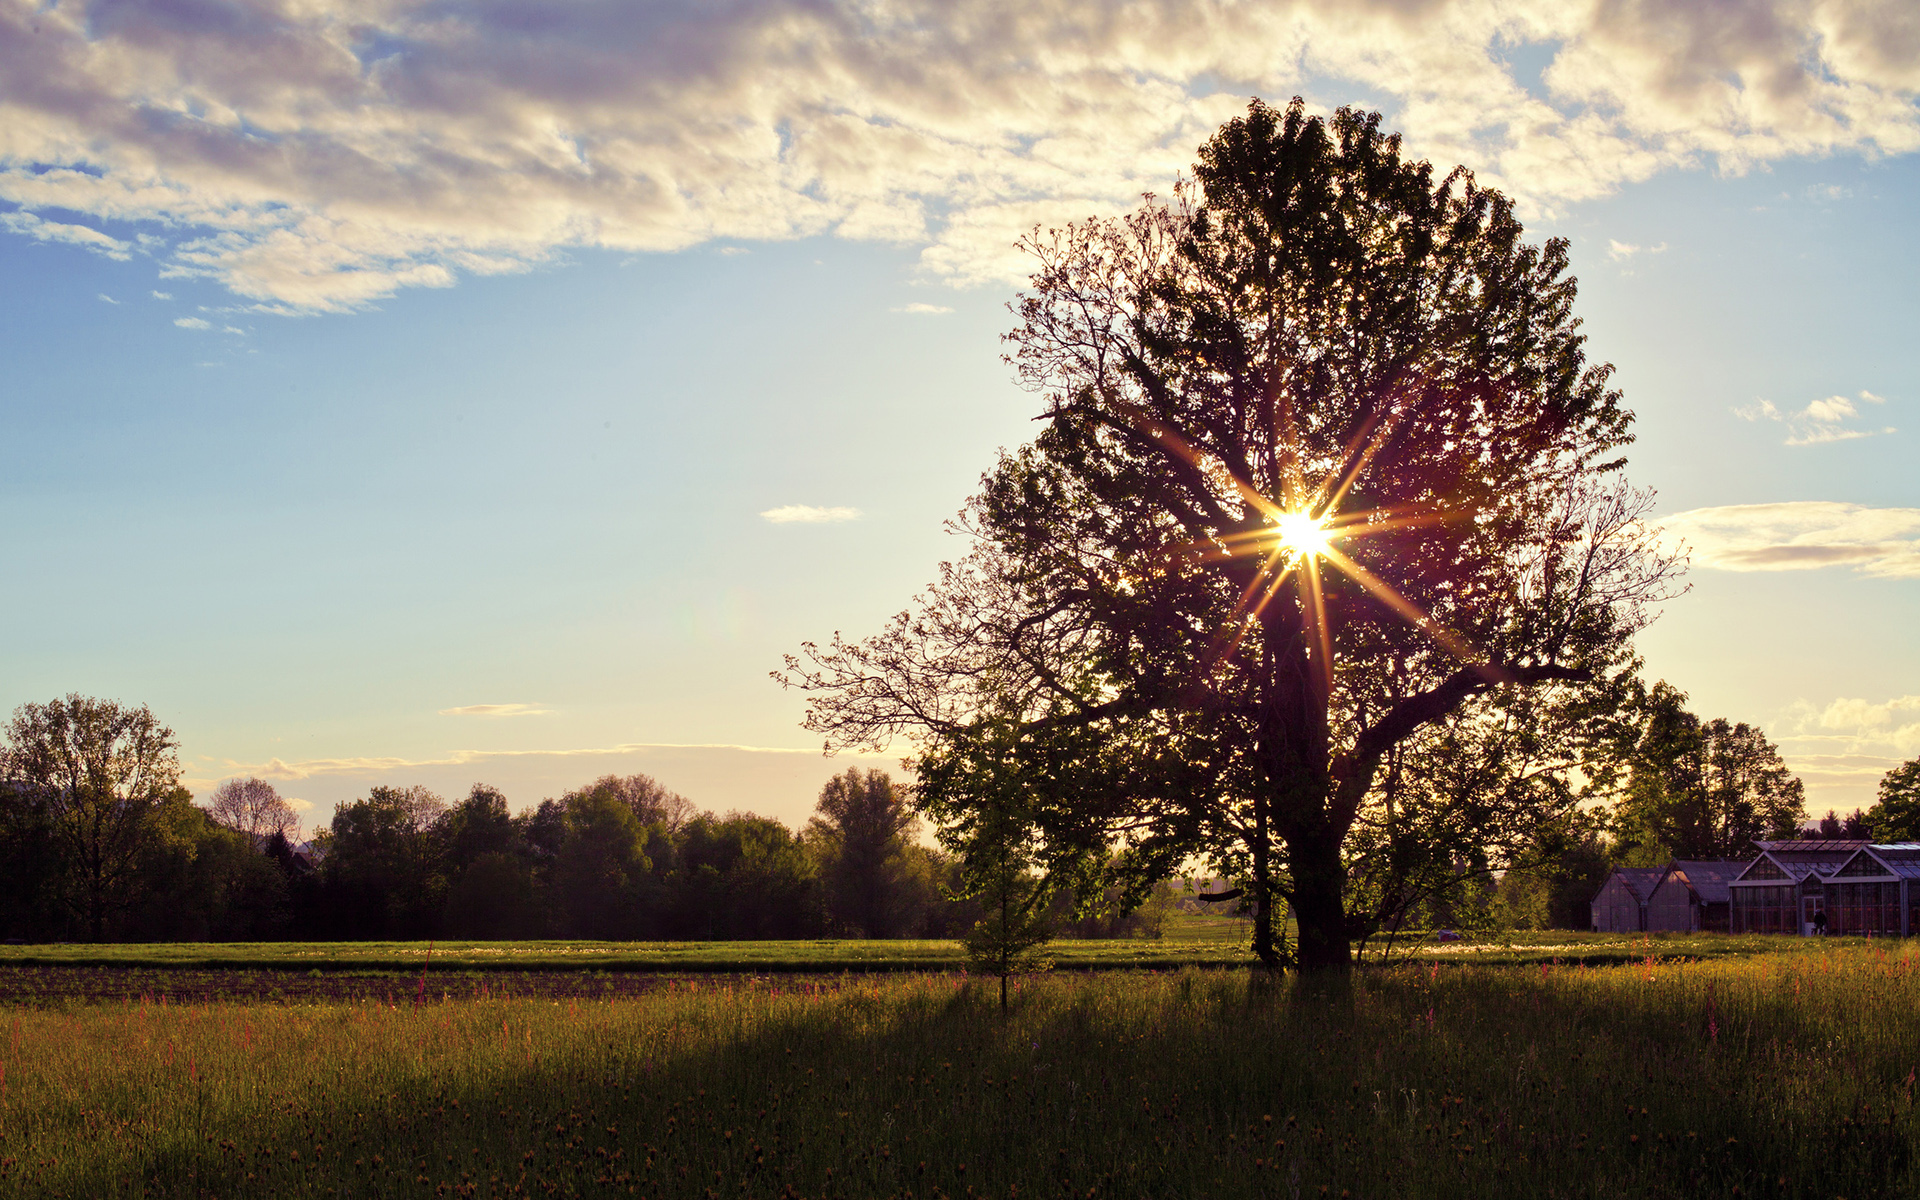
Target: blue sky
{"type": "Point", "coordinates": [311, 440]}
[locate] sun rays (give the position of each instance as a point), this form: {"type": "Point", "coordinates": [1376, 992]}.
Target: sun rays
{"type": "Point", "coordinates": [1300, 532]}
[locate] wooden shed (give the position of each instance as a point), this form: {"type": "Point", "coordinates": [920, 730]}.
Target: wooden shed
{"type": "Point", "coordinates": [1693, 897]}
{"type": "Point", "coordinates": [1621, 904]}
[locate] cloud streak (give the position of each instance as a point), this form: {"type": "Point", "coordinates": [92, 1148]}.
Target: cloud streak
{"type": "Point", "coordinates": [496, 710]}
{"type": "Point", "coordinates": [1801, 535]}
{"type": "Point", "coordinates": [809, 514]}
{"type": "Point", "coordinates": [319, 156]}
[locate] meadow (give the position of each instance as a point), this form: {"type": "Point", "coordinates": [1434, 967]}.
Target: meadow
{"type": "Point", "coordinates": [1787, 1073]}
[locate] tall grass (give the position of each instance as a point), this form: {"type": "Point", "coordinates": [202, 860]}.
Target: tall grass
{"type": "Point", "coordinates": [1785, 1075]}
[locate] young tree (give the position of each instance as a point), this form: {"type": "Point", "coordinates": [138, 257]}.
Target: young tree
{"type": "Point", "coordinates": [253, 808]}
{"type": "Point", "coordinates": [101, 769]}
{"type": "Point", "coordinates": [1323, 464]}
{"type": "Point", "coordinates": [984, 793]}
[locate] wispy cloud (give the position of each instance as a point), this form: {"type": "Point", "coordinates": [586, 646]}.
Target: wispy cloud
{"type": "Point", "coordinates": [108, 299]}
{"type": "Point", "coordinates": [42, 230]}
{"type": "Point", "coordinates": [809, 513]}
{"type": "Point", "coordinates": [192, 323]}
{"type": "Point", "coordinates": [496, 710]}
{"type": "Point", "coordinates": [312, 768]}
{"type": "Point", "coordinates": [1820, 422]}
{"type": "Point", "coordinates": [1848, 744]}
{"type": "Point", "coordinates": [1622, 251]}
{"type": "Point", "coordinates": [1801, 535]}
{"type": "Point", "coordinates": [162, 295]}
{"type": "Point", "coordinates": [319, 156]}
{"type": "Point", "coordinates": [921, 306]}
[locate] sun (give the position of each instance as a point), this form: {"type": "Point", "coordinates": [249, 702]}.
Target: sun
{"type": "Point", "coordinates": [1306, 535]}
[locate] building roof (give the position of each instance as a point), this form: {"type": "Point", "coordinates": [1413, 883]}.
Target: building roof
{"type": "Point", "coordinates": [1639, 880]}
{"type": "Point", "coordinates": [1842, 847]}
{"type": "Point", "coordinates": [1707, 877]}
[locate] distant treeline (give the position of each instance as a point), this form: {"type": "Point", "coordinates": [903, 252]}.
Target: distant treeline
{"type": "Point", "coordinates": [98, 841]}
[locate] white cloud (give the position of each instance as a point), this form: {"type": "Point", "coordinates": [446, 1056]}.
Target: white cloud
{"type": "Point", "coordinates": [1820, 422]}
{"type": "Point", "coordinates": [163, 295]}
{"type": "Point", "coordinates": [234, 330]}
{"type": "Point", "coordinates": [192, 323]}
{"type": "Point", "coordinates": [299, 805]}
{"type": "Point", "coordinates": [42, 230]}
{"type": "Point", "coordinates": [495, 710]}
{"type": "Point", "coordinates": [319, 156]}
{"type": "Point", "coordinates": [920, 306]}
{"type": "Point", "coordinates": [1801, 535]}
{"type": "Point", "coordinates": [1622, 251]}
{"type": "Point", "coordinates": [809, 513]}
{"type": "Point", "coordinates": [108, 299]}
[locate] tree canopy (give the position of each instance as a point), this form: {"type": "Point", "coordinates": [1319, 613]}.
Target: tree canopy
{"type": "Point", "coordinates": [1324, 476]}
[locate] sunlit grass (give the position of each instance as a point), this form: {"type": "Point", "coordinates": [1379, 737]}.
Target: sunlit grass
{"type": "Point", "coordinates": [1787, 1074]}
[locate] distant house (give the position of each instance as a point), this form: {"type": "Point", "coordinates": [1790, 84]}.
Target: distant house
{"type": "Point", "coordinates": [1693, 897]}
{"type": "Point", "coordinates": [1621, 905]}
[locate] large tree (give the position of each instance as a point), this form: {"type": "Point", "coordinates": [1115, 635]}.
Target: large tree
{"type": "Point", "coordinates": [1323, 464]}
{"type": "Point", "coordinates": [101, 769]}
{"type": "Point", "coordinates": [1694, 789]}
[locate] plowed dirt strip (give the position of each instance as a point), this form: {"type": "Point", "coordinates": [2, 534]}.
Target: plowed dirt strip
{"type": "Point", "coordinates": [39, 987]}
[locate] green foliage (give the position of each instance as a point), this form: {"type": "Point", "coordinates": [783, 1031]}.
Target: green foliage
{"type": "Point", "coordinates": [1896, 817]}
{"type": "Point", "coordinates": [873, 883]}
{"type": "Point", "coordinates": [1694, 789]}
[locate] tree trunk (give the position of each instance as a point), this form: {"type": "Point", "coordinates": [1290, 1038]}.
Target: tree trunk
{"type": "Point", "coordinates": [1319, 902]}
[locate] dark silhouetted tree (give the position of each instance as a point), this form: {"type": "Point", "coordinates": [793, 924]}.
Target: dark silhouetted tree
{"type": "Point", "coordinates": [862, 832]}
{"type": "Point", "coordinates": [1323, 464]}
{"type": "Point", "coordinates": [100, 769]}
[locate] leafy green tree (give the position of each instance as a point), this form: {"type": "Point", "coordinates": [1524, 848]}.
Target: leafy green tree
{"type": "Point", "coordinates": [478, 825]}
{"type": "Point", "coordinates": [862, 831]}
{"type": "Point", "coordinates": [1323, 464]}
{"type": "Point", "coordinates": [1697, 789]}
{"type": "Point", "coordinates": [601, 873]}
{"type": "Point", "coordinates": [494, 899]}
{"type": "Point", "coordinates": [742, 877]}
{"type": "Point", "coordinates": [1896, 816]}
{"type": "Point", "coordinates": [31, 875]}
{"type": "Point", "coordinates": [100, 769]}
{"type": "Point", "coordinates": [384, 864]}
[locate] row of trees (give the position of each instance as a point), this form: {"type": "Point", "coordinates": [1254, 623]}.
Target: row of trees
{"type": "Point", "coordinates": [99, 841]}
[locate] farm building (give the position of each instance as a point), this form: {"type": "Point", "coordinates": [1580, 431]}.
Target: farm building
{"type": "Point", "coordinates": [1621, 905]}
{"type": "Point", "coordinates": [1693, 897]}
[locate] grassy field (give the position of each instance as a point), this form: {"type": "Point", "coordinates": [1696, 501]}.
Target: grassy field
{"type": "Point", "coordinates": [1781, 1074]}
{"type": "Point", "coordinates": [1191, 941]}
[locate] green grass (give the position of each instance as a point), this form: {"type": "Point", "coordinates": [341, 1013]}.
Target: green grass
{"type": "Point", "coordinates": [1190, 941]}
{"type": "Point", "coordinates": [1787, 1074]}
{"type": "Point", "coordinates": [676, 957]}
